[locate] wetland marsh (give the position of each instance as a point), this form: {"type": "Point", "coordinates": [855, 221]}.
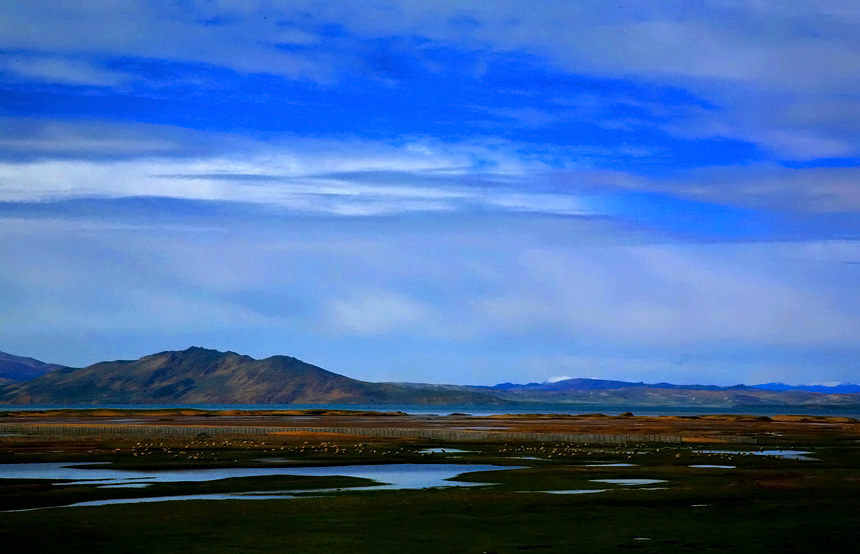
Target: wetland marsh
{"type": "Point", "coordinates": [728, 485]}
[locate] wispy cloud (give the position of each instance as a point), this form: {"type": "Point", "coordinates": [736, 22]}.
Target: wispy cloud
{"type": "Point", "coordinates": [350, 177]}
{"type": "Point", "coordinates": [754, 63]}
{"type": "Point", "coordinates": [489, 187]}
{"type": "Point", "coordinates": [673, 295]}
{"type": "Point", "coordinates": [519, 288]}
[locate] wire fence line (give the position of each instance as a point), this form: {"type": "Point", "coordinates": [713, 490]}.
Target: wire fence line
{"type": "Point", "coordinates": [385, 432]}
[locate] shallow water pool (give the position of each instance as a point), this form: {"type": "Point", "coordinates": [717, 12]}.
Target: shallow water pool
{"type": "Point", "coordinates": [785, 454]}
{"type": "Point", "coordinates": [393, 475]}
{"type": "Point", "coordinates": [629, 482]}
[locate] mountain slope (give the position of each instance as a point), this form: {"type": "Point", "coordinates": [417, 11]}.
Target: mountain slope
{"type": "Point", "coordinates": [18, 368]}
{"type": "Point", "coordinates": [201, 376]}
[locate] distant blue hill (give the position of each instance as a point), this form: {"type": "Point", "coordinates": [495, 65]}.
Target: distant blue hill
{"type": "Point", "coordinates": [580, 384]}
{"type": "Point", "coordinates": [571, 384]}
{"type": "Point", "coordinates": [19, 368]}
{"type": "Point", "coordinates": [842, 388]}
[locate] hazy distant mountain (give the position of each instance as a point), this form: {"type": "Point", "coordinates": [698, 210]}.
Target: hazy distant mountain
{"type": "Point", "coordinates": [623, 393]}
{"type": "Point", "coordinates": [568, 384]}
{"type": "Point", "coordinates": [201, 376]}
{"type": "Point", "coordinates": [842, 388]}
{"type": "Point", "coordinates": [580, 384]}
{"type": "Point", "coordinates": [602, 384]}
{"type": "Point", "coordinates": [18, 368]}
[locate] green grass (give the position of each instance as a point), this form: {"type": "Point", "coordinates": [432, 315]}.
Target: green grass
{"type": "Point", "coordinates": [28, 494]}
{"type": "Point", "coordinates": [461, 520]}
{"type": "Point", "coordinates": [764, 505]}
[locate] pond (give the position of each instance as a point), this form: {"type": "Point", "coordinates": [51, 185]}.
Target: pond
{"type": "Point", "coordinates": [629, 482]}
{"type": "Point", "coordinates": [384, 476]}
{"type": "Point", "coordinates": [785, 454]}
{"type": "Point", "coordinates": [576, 491]}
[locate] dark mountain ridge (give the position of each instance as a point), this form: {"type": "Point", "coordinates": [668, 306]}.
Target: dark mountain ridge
{"type": "Point", "coordinates": [201, 376]}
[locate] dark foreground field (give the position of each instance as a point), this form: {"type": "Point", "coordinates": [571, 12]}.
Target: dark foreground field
{"type": "Point", "coordinates": [761, 503]}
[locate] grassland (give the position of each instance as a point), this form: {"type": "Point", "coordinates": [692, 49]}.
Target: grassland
{"type": "Point", "coordinates": [760, 504]}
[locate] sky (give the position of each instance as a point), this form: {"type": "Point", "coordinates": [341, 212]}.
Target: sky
{"type": "Point", "coordinates": [441, 192]}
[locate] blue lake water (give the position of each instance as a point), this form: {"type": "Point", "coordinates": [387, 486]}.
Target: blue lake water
{"type": "Point", "coordinates": [384, 476]}
{"type": "Point", "coordinates": [576, 491]}
{"type": "Point", "coordinates": [629, 482]}
{"type": "Point", "coordinates": [391, 476]}
{"type": "Point", "coordinates": [785, 454]}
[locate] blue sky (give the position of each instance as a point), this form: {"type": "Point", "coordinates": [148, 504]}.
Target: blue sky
{"type": "Point", "coordinates": [449, 192]}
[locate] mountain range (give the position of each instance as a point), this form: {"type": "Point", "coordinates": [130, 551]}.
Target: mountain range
{"type": "Point", "coordinates": [202, 376]}
{"type": "Point", "coordinates": [621, 393]}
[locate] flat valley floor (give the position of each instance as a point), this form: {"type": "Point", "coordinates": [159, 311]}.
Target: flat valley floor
{"type": "Point", "coordinates": [529, 483]}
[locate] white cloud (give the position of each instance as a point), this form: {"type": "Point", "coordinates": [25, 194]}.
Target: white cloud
{"type": "Point", "coordinates": [62, 70]}
{"type": "Point", "coordinates": [754, 61]}
{"type": "Point", "coordinates": [341, 177]}
{"type": "Point", "coordinates": [34, 138]}
{"type": "Point", "coordinates": [49, 160]}
{"type": "Point", "coordinates": [376, 312]}
{"type": "Point", "coordinates": [675, 295]}
{"type": "Point", "coordinates": [354, 177]}
{"type": "Point", "coordinates": [502, 289]}
{"type": "Point", "coordinates": [247, 42]}
{"type": "Point", "coordinates": [812, 190]}
{"type": "Point", "coordinates": [781, 75]}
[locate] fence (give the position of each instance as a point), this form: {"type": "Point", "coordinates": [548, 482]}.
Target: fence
{"type": "Point", "coordinates": [387, 432]}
